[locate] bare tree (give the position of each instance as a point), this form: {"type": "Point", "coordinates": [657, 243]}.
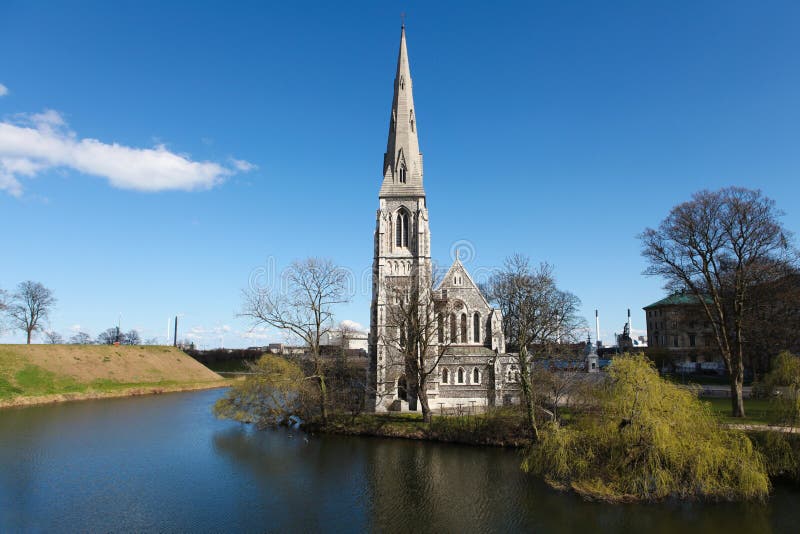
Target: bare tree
{"type": "Point", "coordinates": [304, 309]}
{"type": "Point", "coordinates": [81, 338]}
{"type": "Point", "coordinates": [3, 308]}
{"type": "Point", "coordinates": [109, 336]}
{"type": "Point", "coordinates": [131, 337]}
{"type": "Point", "coordinates": [539, 319]}
{"type": "Point", "coordinates": [30, 307]}
{"type": "Point", "coordinates": [719, 246]}
{"type": "Point", "coordinates": [555, 384]}
{"type": "Point", "coordinates": [771, 328]}
{"type": "Point", "coordinates": [53, 337]}
{"type": "Point", "coordinates": [415, 331]}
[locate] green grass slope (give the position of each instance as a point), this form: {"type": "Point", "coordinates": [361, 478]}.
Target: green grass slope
{"type": "Point", "coordinates": [72, 370]}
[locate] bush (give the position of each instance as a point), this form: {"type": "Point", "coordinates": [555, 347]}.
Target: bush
{"type": "Point", "coordinates": [781, 452]}
{"type": "Point", "coordinates": [782, 384]}
{"type": "Point", "coordinates": [651, 440]}
{"type": "Point", "coordinates": [276, 391]}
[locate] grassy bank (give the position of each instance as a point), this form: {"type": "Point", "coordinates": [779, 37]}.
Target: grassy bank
{"type": "Point", "coordinates": [502, 427]}
{"type": "Point", "coordinates": [34, 374]}
{"type": "Point", "coordinates": [758, 411]}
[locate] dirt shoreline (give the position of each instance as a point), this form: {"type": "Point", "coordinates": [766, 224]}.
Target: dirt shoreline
{"type": "Point", "coordinates": [134, 391]}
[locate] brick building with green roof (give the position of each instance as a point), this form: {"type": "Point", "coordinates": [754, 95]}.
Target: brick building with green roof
{"type": "Point", "coordinates": [680, 334]}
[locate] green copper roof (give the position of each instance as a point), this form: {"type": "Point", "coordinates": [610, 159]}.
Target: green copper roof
{"type": "Point", "coordinates": [677, 299]}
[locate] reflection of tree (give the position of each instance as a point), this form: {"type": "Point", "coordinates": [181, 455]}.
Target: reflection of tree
{"type": "Point", "coordinates": [447, 488]}
{"type": "Point", "coordinates": [306, 486]}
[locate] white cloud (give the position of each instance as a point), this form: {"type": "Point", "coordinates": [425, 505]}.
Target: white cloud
{"type": "Point", "coordinates": [32, 143]}
{"type": "Point", "coordinates": [3, 90]}
{"type": "Point", "coordinates": [242, 165]}
{"type": "Point", "coordinates": [352, 325]}
{"type": "Point", "coordinates": [259, 333]}
{"type": "Point", "coordinates": [201, 332]}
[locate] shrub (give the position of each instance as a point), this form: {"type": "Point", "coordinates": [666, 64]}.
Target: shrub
{"type": "Point", "coordinates": [268, 397]}
{"type": "Point", "coordinates": [651, 440]}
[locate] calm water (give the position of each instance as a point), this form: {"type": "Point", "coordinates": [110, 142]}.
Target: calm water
{"type": "Point", "coordinates": [164, 463]}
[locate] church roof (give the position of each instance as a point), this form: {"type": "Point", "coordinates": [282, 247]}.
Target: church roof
{"type": "Point", "coordinates": [402, 162]}
{"type": "Point", "coordinates": [456, 268]}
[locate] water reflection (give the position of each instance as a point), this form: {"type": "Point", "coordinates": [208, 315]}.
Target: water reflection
{"type": "Point", "coordinates": [165, 464]}
{"type": "Point", "coordinates": [344, 483]}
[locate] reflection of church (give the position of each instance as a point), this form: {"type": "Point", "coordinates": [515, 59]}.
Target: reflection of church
{"type": "Point", "coordinates": [474, 369]}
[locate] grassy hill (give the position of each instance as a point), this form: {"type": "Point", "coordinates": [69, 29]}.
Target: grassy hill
{"type": "Point", "coordinates": [49, 373]}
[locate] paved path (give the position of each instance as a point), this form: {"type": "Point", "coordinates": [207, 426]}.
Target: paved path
{"type": "Point", "coordinates": [764, 428]}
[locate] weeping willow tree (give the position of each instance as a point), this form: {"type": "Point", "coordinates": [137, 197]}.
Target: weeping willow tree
{"type": "Point", "coordinates": [275, 390]}
{"type": "Point", "coordinates": [651, 440]}
{"type": "Point", "coordinates": [782, 384]}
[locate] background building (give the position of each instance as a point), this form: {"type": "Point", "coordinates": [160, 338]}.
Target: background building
{"type": "Point", "coordinates": [680, 336]}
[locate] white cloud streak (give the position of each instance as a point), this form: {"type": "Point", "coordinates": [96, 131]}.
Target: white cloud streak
{"type": "Point", "coordinates": [33, 143]}
{"type": "Point", "coordinates": [3, 90]}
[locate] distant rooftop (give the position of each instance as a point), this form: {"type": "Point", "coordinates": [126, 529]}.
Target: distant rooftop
{"type": "Point", "coordinates": [677, 299]}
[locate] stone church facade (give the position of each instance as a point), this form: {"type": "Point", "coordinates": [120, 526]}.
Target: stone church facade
{"type": "Point", "coordinates": [467, 359]}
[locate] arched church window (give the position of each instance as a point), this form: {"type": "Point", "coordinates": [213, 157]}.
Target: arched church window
{"type": "Point", "coordinates": [402, 173]}
{"type": "Point", "coordinates": [440, 328]}
{"type": "Point", "coordinates": [401, 229]}
{"type": "Point", "coordinates": [476, 376]}
{"type": "Point", "coordinates": [464, 328]}
{"type": "Point", "coordinates": [476, 327]}
{"type": "Point", "coordinates": [445, 376]}
{"type": "Point", "coordinates": [460, 375]}
{"type": "Point", "coordinates": [453, 328]}
{"type": "Point", "coordinates": [411, 121]}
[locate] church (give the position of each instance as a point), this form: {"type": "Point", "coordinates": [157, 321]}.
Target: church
{"type": "Point", "coordinates": [457, 332]}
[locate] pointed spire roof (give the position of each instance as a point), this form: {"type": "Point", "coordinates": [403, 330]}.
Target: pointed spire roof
{"type": "Point", "coordinates": [402, 162]}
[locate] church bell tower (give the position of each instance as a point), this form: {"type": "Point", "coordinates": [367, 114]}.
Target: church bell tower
{"type": "Point", "coordinates": [402, 237]}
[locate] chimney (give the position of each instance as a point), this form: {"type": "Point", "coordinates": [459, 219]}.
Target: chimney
{"type": "Point", "coordinates": [629, 320]}
{"type": "Point", "coordinates": [597, 327]}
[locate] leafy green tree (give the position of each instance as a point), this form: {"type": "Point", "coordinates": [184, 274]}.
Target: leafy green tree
{"type": "Point", "coordinates": [782, 383]}
{"type": "Point", "coordinates": [782, 446]}
{"type": "Point", "coordinates": [276, 390]}
{"type": "Point", "coordinates": [651, 440]}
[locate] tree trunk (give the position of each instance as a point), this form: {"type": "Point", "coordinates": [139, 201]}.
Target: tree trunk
{"type": "Point", "coordinates": [323, 399]}
{"type": "Point", "coordinates": [737, 381]}
{"type": "Point", "coordinates": [527, 394]}
{"type": "Point", "coordinates": [422, 394]}
{"type": "Point", "coordinates": [29, 336]}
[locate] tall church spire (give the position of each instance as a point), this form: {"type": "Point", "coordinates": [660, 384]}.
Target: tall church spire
{"type": "Point", "coordinates": [402, 163]}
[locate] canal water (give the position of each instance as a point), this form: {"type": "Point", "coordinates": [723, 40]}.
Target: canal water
{"type": "Point", "coordinates": [165, 464]}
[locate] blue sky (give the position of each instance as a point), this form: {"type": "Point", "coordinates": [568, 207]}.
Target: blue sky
{"type": "Point", "coordinates": [234, 137]}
